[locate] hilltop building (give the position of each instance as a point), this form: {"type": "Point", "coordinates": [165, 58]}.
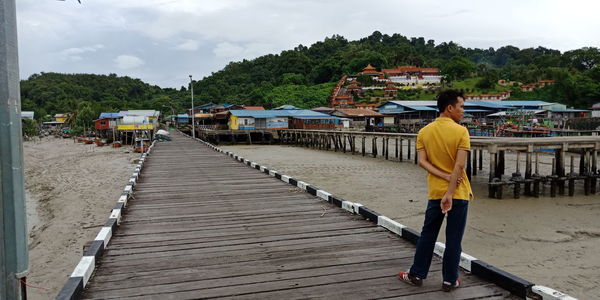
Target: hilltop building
{"type": "Point", "coordinates": [488, 97]}
{"type": "Point", "coordinates": [406, 75]}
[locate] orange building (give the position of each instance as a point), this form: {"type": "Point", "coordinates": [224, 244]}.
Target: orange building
{"type": "Point", "coordinates": [390, 90]}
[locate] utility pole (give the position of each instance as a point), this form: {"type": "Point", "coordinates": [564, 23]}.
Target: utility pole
{"type": "Point", "coordinates": [193, 112]}
{"type": "Point", "coordinates": [13, 228]}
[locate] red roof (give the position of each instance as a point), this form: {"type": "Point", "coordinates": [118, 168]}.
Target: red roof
{"type": "Point", "coordinates": [370, 70]}
{"type": "Point", "coordinates": [411, 69]}
{"type": "Point", "coordinates": [390, 86]}
{"type": "Point", "coordinates": [254, 108]}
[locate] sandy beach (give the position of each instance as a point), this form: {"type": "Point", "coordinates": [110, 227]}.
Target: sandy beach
{"type": "Point", "coordinates": [549, 241]}
{"type": "Point", "coordinates": [71, 189]}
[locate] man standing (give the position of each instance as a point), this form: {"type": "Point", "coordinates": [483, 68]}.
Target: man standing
{"type": "Point", "coordinates": [443, 146]}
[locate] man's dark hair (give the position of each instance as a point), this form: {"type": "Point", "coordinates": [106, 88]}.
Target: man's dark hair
{"type": "Point", "coordinates": [448, 97]}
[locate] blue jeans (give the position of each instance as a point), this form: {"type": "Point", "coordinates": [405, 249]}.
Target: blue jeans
{"type": "Point", "coordinates": [455, 228]}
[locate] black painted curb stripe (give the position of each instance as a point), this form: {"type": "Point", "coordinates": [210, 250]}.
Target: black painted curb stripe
{"type": "Point", "coordinates": [72, 289]}
{"type": "Point", "coordinates": [369, 214]}
{"type": "Point", "coordinates": [516, 285]}
{"type": "Point", "coordinates": [86, 266]}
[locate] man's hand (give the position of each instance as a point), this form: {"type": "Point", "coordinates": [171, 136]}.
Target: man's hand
{"type": "Point", "coordinates": [458, 181]}
{"type": "Point", "coordinates": [446, 203]}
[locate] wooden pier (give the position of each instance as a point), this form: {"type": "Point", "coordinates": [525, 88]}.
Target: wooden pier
{"type": "Point", "coordinates": [202, 225]}
{"type": "Point", "coordinates": [402, 147]}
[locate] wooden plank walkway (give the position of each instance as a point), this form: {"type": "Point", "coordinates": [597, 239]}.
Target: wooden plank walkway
{"type": "Point", "coordinates": [202, 225]}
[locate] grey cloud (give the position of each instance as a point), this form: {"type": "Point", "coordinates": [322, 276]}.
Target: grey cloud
{"type": "Point", "coordinates": [171, 38]}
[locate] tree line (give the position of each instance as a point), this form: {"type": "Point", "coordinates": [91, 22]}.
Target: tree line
{"type": "Point", "coordinates": [304, 76]}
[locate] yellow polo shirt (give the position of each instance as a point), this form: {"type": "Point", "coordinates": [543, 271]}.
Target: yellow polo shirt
{"type": "Point", "coordinates": [441, 139]}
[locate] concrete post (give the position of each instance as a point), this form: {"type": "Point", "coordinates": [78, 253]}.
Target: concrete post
{"type": "Point", "coordinates": [13, 229]}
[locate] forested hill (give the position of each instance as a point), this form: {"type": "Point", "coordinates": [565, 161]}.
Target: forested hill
{"type": "Point", "coordinates": [51, 93]}
{"type": "Point", "coordinates": [305, 76]}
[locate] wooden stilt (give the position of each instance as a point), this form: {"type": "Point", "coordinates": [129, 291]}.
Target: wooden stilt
{"type": "Point", "coordinates": [474, 163]}
{"type": "Point", "coordinates": [491, 188]}
{"type": "Point", "coordinates": [528, 169]}
{"type": "Point", "coordinates": [374, 145]}
{"type": "Point", "coordinates": [481, 160]}
{"type": "Point", "coordinates": [594, 169]}
{"type": "Point", "coordinates": [572, 176]}
{"type": "Point", "coordinates": [363, 145]}
{"type": "Point", "coordinates": [408, 150]}
{"type": "Point", "coordinates": [401, 150]}
{"type": "Point", "coordinates": [387, 150]}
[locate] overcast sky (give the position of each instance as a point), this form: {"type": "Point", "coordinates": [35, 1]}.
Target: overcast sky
{"type": "Point", "coordinates": [163, 41]}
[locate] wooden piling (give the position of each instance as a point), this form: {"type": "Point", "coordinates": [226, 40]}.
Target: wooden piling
{"type": "Point", "coordinates": [586, 174]}
{"type": "Point", "coordinates": [401, 151]}
{"type": "Point", "coordinates": [408, 156]}
{"type": "Point", "coordinates": [572, 176]}
{"type": "Point", "coordinates": [594, 169]}
{"type": "Point", "coordinates": [363, 145]}
{"type": "Point", "coordinates": [491, 188]}
{"type": "Point", "coordinates": [387, 150]}
{"type": "Point", "coordinates": [500, 164]}
{"type": "Point", "coordinates": [474, 163]}
{"type": "Point", "coordinates": [374, 146]}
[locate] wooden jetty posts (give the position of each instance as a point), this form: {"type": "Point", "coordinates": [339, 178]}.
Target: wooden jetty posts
{"type": "Point", "coordinates": [531, 183]}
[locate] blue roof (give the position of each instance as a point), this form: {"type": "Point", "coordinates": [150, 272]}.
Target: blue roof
{"type": "Point", "coordinates": [204, 106]}
{"type": "Point", "coordinates": [107, 115]}
{"type": "Point", "coordinates": [524, 102]}
{"type": "Point", "coordinates": [490, 104]}
{"type": "Point", "coordinates": [183, 116]}
{"type": "Point", "coordinates": [570, 110]}
{"type": "Point", "coordinates": [263, 114]}
{"type": "Point", "coordinates": [305, 113]}
{"type": "Point", "coordinates": [420, 107]}
{"type": "Point", "coordinates": [474, 110]}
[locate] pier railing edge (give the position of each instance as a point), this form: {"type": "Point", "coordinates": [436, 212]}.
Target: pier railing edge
{"type": "Point", "coordinates": [516, 285]}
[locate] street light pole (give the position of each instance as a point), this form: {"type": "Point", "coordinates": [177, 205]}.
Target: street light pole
{"type": "Point", "coordinates": [193, 113]}
{"type": "Point", "coordinates": [13, 229]}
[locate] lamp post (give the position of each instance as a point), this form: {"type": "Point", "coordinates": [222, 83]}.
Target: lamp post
{"type": "Point", "coordinates": [14, 260]}
{"type": "Point", "coordinates": [193, 113]}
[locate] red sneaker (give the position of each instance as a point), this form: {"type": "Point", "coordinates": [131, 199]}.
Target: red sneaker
{"type": "Point", "coordinates": [410, 279]}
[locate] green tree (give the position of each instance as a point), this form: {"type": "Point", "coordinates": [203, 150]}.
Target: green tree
{"type": "Point", "coordinates": [30, 128]}
{"type": "Point", "coordinates": [458, 68]}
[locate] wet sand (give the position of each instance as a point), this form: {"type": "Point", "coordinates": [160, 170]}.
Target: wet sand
{"type": "Point", "coordinates": [549, 241]}
{"type": "Point", "coordinates": [71, 189]}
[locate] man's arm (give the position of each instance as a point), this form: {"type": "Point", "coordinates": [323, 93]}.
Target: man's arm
{"type": "Point", "coordinates": [459, 165]}
{"type": "Point", "coordinates": [430, 168]}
